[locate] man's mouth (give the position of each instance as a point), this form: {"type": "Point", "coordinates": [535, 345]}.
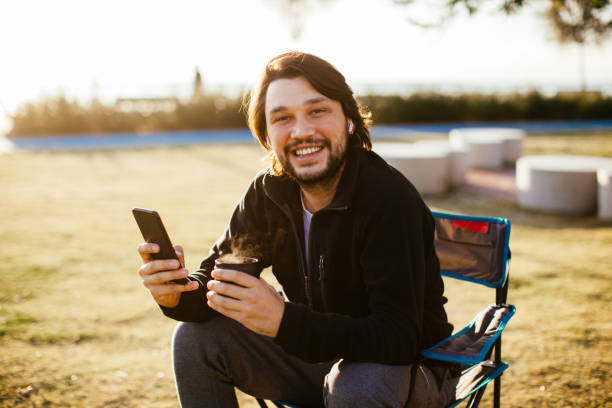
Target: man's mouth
{"type": "Point", "coordinates": [303, 151]}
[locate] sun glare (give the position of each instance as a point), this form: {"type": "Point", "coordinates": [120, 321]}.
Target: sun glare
{"type": "Point", "coordinates": [140, 48]}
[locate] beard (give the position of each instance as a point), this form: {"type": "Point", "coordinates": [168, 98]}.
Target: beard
{"type": "Point", "coordinates": [335, 161]}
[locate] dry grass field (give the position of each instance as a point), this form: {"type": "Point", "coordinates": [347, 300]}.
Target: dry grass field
{"type": "Point", "coordinates": [78, 329]}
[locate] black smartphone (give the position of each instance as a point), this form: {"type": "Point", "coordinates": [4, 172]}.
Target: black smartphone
{"type": "Point", "coordinates": [153, 231]}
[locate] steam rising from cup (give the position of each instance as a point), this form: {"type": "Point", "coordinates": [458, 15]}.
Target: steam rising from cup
{"type": "Point", "coordinates": [251, 266]}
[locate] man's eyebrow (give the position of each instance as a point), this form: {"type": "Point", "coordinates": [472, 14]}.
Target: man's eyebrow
{"type": "Point", "coordinates": [310, 101]}
{"type": "Point", "coordinates": [314, 100]}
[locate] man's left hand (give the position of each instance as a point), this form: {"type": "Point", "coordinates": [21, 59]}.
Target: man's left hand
{"type": "Point", "coordinates": [250, 301]}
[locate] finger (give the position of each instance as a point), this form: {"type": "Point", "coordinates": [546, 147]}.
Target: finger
{"type": "Point", "coordinates": [220, 301]}
{"type": "Point", "coordinates": [163, 277]}
{"type": "Point", "coordinates": [232, 314]}
{"type": "Point", "coordinates": [237, 277]}
{"type": "Point", "coordinates": [172, 288]}
{"type": "Point", "coordinates": [189, 286]}
{"type": "Point", "coordinates": [152, 267]}
{"type": "Point", "coordinates": [145, 250]}
{"type": "Point", "coordinates": [227, 289]}
{"type": "Point", "coordinates": [180, 253]}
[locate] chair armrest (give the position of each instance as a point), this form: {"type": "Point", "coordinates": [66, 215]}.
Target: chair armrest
{"type": "Point", "coordinates": [476, 377]}
{"type": "Point", "coordinates": [471, 345]}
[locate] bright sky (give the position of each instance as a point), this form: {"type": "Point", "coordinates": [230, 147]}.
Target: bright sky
{"type": "Point", "coordinates": [133, 48]}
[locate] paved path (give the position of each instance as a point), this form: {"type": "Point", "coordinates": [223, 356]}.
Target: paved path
{"type": "Point", "coordinates": [498, 184]}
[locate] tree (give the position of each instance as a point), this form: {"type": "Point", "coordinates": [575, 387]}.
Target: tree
{"type": "Point", "coordinates": [572, 21]}
{"type": "Point", "coordinates": [446, 9]}
{"type": "Point", "coordinates": [581, 22]}
{"type": "Point", "coordinates": [295, 11]}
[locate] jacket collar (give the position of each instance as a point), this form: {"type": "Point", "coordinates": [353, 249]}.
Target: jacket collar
{"type": "Point", "coordinates": [284, 191]}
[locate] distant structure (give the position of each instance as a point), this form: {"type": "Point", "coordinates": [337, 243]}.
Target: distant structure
{"type": "Point", "coordinates": [198, 87]}
{"type": "Point", "coordinates": [146, 105]}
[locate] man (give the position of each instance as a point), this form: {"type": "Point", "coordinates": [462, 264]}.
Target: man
{"type": "Point", "coordinates": [351, 242]}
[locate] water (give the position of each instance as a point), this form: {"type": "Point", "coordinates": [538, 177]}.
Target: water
{"type": "Point", "coordinates": [133, 140]}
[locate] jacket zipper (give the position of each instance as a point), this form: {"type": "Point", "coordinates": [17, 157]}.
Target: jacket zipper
{"type": "Point", "coordinates": [321, 257]}
{"type": "Point", "coordinates": [321, 281]}
{"type": "Point", "coordinates": [302, 267]}
{"type": "Point", "coordinates": [321, 269]}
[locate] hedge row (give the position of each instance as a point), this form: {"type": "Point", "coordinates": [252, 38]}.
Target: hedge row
{"type": "Point", "coordinates": [62, 116]}
{"type": "Point", "coordinates": [432, 108]}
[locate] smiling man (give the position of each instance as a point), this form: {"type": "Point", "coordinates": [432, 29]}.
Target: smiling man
{"type": "Point", "coordinates": [351, 242]}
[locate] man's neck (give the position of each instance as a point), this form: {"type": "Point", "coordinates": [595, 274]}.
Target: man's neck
{"type": "Point", "coordinates": [318, 196]}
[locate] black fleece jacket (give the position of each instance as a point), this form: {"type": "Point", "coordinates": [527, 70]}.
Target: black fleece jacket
{"type": "Point", "coordinates": [373, 292]}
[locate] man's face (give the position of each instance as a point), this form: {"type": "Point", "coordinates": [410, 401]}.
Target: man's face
{"type": "Point", "coordinates": [307, 130]}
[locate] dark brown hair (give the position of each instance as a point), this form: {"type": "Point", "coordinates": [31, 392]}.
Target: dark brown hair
{"type": "Point", "coordinates": [323, 77]}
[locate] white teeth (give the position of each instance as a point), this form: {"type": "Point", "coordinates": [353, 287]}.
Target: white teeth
{"type": "Point", "coordinates": [307, 150]}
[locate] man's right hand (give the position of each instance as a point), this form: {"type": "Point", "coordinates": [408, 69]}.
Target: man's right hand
{"type": "Point", "coordinates": [157, 275]}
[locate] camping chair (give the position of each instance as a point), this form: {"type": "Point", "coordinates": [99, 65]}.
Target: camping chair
{"type": "Point", "coordinates": [472, 249]}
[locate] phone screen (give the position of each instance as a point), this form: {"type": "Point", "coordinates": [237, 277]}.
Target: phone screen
{"type": "Point", "coordinates": [153, 231]}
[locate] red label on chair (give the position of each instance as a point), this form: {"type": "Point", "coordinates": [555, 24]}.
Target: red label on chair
{"type": "Point", "coordinates": [474, 226]}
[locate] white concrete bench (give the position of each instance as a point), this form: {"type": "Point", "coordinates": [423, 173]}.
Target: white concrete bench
{"type": "Point", "coordinates": [565, 184]}
{"type": "Point", "coordinates": [484, 152]}
{"type": "Point", "coordinates": [490, 147]}
{"type": "Point", "coordinates": [426, 167]}
{"type": "Point", "coordinates": [458, 164]}
{"type": "Point", "coordinates": [604, 193]}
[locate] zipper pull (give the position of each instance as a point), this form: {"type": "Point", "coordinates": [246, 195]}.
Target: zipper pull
{"type": "Point", "coordinates": [321, 268]}
{"type": "Point", "coordinates": [308, 296]}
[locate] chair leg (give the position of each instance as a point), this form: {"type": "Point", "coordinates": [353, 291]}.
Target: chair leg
{"type": "Point", "coordinates": [497, 392]}
{"type": "Point", "coordinates": [470, 400]}
{"type": "Point", "coordinates": [497, 382]}
{"type": "Point", "coordinates": [477, 397]}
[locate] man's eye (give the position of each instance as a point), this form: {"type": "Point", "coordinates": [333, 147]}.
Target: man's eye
{"type": "Point", "coordinates": [280, 119]}
{"type": "Point", "coordinates": [318, 111]}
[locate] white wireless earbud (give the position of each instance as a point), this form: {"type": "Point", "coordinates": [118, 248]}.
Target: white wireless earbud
{"type": "Point", "coordinates": [350, 127]}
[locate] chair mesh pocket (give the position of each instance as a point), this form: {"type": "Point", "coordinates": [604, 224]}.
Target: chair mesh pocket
{"type": "Point", "coordinates": [470, 345]}
{"type": "Point", "coordinates": [471, 249]}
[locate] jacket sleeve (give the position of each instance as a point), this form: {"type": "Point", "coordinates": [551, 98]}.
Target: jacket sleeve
{"type": "Point", "coordinates": [393, 268]}
{"type": "Point", "coordinates": [242, 227]}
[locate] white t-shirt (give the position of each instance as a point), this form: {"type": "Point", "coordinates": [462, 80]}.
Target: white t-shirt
{"type": "Point", "coordinates": [306, 218]}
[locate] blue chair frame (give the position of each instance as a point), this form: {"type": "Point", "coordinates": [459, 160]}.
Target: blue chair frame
{"type": "Point", "coordinates": [467, 232]}
{"type": "Point", "coordinates": [498, 282]}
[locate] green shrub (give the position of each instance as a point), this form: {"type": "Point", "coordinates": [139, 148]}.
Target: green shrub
{"type": "Point", "coordinates": [428, 108]}
{"type": "Point", "coordinates": [61, 116]}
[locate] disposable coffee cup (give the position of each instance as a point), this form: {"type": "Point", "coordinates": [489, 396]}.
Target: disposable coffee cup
{"type": "Point", "coordinates": [252, 266]}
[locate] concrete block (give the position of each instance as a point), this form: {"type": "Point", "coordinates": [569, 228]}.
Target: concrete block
{"type": "Point", "coordinates": [604, 193]}
{"type": "Point", "coordinates": [483, 151]}
{"type": "Point", "coordinates": [510, 138]}
{"type": "Point", "coordinates": [458, 156]}
{"type": "Point", "coordinates": [558, 183]}
{"type": "Point", "coordinates": [426, 167]}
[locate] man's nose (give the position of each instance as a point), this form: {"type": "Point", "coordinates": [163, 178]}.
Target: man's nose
{"type": "Point", "coordinates": [302, 128]}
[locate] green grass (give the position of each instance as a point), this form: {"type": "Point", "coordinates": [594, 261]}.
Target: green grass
{"type": "Point", "coordinates": [78, 329]}
{"type": "Point", "coordinates": [592, 143]}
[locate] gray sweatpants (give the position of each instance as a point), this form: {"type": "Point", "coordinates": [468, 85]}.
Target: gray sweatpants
{"type": "Point", "coordinates": [212, 358]}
